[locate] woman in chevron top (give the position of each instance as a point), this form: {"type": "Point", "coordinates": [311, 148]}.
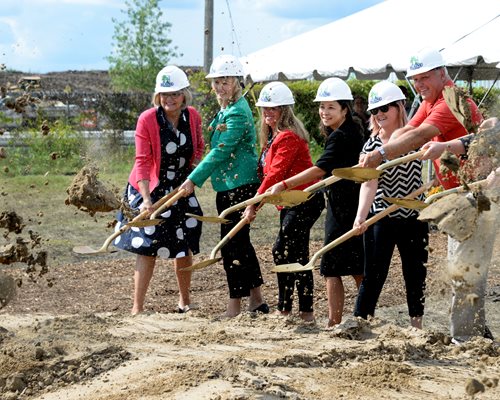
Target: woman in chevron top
{"type": "Point", "coordinates": [401, 228]}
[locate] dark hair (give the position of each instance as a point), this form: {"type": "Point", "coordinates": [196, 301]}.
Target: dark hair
{"type": "Point", "coordinates": [344, 104]}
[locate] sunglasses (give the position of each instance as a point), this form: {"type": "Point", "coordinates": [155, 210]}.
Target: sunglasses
{"type": "Point", "coordinates": [383, 108]}
{"type": "Point", "coordinates": [171, 94]}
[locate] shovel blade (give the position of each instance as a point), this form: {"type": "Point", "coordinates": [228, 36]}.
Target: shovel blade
{"type": "Point", "coordinates": [202, 264]}
{"type": "Point", "coordinates": [413, 204]}
{"type": "Point", "coordinates": [288, 198]}
{"type": "Point", "coordinates": [87, 250]}
{"type": "Point", "coordinates": [357, 174]}
{"type": "Point", "coordinates": [293, 267]}
{"type": "Point", "coordinates": [208, 218]}
{"type": "Point", "coordinates": [145, 222]}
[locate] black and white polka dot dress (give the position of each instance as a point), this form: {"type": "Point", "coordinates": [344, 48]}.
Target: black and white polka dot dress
{"type": "Point", "coordinates": [178, 234]}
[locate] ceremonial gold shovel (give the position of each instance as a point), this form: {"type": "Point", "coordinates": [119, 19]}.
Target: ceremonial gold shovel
{"type": "Point", "coordinates": [287, 198]}
{"type": "Point", "coordinates": [359, 174]}
{"type": "Point", "coordinates": [420, 205]}
{"type": "Point", "coordinates": [138, 221]}
{"type": "Point", "coordinates": [213, 259]}
{"type": "Point", "coordinates": [297, 267]}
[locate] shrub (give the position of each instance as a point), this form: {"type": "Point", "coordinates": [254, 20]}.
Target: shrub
{"type": "Point", "coordinates": [32, 151]}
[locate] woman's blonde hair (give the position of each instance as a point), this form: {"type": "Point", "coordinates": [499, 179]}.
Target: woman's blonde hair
{"type": "Point", "coordinates": [237, 89]}
{"type": "Point", "coordinates": [188, 98]}
{"type": "Point", "coordinates": [402, 118]}
{"type": "Point", "coordinates": [286, 122]}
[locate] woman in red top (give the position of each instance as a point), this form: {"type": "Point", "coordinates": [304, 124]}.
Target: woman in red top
{"type": "Point", "coordinates": [285, 153]}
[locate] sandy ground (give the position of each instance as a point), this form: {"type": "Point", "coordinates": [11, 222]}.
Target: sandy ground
{"type": "Point", "coordinates": [69, 336]}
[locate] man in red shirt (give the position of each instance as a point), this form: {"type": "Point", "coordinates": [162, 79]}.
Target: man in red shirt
{"type": "Point", "coordinates": [433, 119]}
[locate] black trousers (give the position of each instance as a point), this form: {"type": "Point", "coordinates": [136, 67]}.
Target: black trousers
{"type": "Point", "coordinates": [412, 237]}
{"type": "Point", "coordinates": [292, 246]}
{"type": "Point", "coordinates": [239, 257]}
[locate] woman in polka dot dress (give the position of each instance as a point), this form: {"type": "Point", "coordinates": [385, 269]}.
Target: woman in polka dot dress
{"type": "Point", "coordinates": [169, 143]}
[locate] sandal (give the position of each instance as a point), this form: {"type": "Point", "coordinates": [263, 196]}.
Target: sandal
{"type": "Point", "coordinates": [263, 308]}
{"type": "Point", "coordinates": [186, 308]}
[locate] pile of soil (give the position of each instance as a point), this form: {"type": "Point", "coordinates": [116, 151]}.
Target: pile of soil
{"type": "Point", "coordinates": [75, 338]}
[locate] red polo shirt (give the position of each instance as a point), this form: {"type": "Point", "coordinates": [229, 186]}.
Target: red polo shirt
{"type": "Point", "coordinates": [439, 115]}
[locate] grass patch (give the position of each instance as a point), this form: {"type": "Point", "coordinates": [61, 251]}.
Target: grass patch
{"type": "Point", "coordinates": [39, 200]}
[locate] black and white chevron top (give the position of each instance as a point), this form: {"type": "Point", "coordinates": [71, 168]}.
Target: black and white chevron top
{"type": "Point", "coordinates": [398, 181]}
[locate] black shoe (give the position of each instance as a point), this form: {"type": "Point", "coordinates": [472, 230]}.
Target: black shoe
{"type": "Point", "coordinates": [487, 333]}
{"type": "Point", "coordinates": [263, 308]}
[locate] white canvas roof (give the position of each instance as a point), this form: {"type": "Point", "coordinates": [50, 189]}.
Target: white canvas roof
{"type": "Point", "coordinates": [477, 54]}
{"type": "Point", "coordinates": [378, 40]}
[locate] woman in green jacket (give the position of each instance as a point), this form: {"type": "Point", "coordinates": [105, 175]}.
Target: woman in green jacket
{"type": "Point", "coordinates": [232, 166]}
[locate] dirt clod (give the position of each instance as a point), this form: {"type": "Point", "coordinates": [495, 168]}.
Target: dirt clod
{"type": "Point", "coordinates": [89, 194]}
{"type": "Point", "coordinates": [12, 222]}
{"type": "Point", "coordinates": [473, 386]}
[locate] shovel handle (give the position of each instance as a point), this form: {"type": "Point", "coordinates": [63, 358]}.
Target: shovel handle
{"type": "Point", "coordinates": [246, 203]}
{"type": "Point", "coordinates": [142, 215]}
{"type": "Point", "coordinates": [229, 236]}
{"type": "Point", "coordinates": [458, 189]}
{"type": "Point", "coordinates": [401, 160]}
{"type": "Point", "coordinates": [168, 203]}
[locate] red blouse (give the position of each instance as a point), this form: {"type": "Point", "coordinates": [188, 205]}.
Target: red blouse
{"type": "Point", "coordinates": [287, 156]}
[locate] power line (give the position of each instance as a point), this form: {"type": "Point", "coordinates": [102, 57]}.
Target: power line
{"type": "Point", "coordinates": [233, 30]}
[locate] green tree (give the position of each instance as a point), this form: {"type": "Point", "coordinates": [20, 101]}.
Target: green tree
{"type": "Point", "coordinates": [141, 46]}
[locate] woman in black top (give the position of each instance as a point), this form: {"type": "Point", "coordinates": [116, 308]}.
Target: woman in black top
{"type": "Point", "coordinates": [343, 145]}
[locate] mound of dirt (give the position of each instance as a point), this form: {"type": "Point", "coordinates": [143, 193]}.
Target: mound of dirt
{"type": "Point", "coordinates": [90, 195]}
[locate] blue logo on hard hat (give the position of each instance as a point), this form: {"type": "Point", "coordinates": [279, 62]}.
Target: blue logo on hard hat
{"type": "Point", "coordinates": [415, 63]}
{"type": "Point", "coordinates": [265, 96]}
{"type": "Point", "coordinates": [374, 98]}
{"type": "Point", "coordinates": [166, 82]}
{"type": "Point", "coordinates": [324, 93]}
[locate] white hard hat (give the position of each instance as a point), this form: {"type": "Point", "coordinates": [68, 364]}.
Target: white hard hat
{"type": "Point", "coordinates": [225, 65]}
{"type": "Point", "coordinates": [333, 89]}
{"type": "Point", "coordinates": [275, 94]}
{"type": "Point", "coordinates": [171, 79]}
{"type": "Point", "coordinates": [383, 93]}
{"type": "Point", "coordinates": [425, 60]}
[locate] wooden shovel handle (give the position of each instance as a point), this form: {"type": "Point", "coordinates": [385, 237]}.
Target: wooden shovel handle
{"type": "Point", "coordinates": [168, 203]}
{"type": "Point", "coordinates": [229, 236]}
{"type": "Point", "coordinates": [401, 160]}
{"type": "Point", "coordinates": [458, 189]}
{"type": "Point", "coordinates": [246, 203]}
{"type": "Point", "coordinates": [142, 215]}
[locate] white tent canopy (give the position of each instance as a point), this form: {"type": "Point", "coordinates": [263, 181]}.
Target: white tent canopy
{"type": "Point", "coordinates": [477, 54]}
{"type": "Point", "coordinates": [376, 41]}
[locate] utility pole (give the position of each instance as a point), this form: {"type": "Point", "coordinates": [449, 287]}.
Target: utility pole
{"type": "Point", "coordinates": [209, 35]}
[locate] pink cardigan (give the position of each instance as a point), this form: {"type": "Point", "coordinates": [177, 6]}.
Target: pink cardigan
{"type": "Point", "coordinates": [148, 151]}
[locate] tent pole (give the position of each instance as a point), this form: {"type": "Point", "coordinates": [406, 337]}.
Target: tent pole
{"type": "Point", "coordinates": [489, 90]}
{"type": "Point", "coordinates": [416, 100]}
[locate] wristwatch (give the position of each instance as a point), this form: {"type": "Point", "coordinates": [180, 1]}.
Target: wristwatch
{"type": "Point", "coordinates": [382, 153]}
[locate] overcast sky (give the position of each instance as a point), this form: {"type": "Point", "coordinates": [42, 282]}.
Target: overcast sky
{"type": "Point", "coordinates": [42, 36]}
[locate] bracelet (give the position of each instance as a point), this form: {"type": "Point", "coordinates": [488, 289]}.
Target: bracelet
{"type": "Point", "coordinates": [382, 153]}
{"type": "Point", "coordinates": [466, 141]}
{"type": "Point", "coordinates": [284, 184]}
